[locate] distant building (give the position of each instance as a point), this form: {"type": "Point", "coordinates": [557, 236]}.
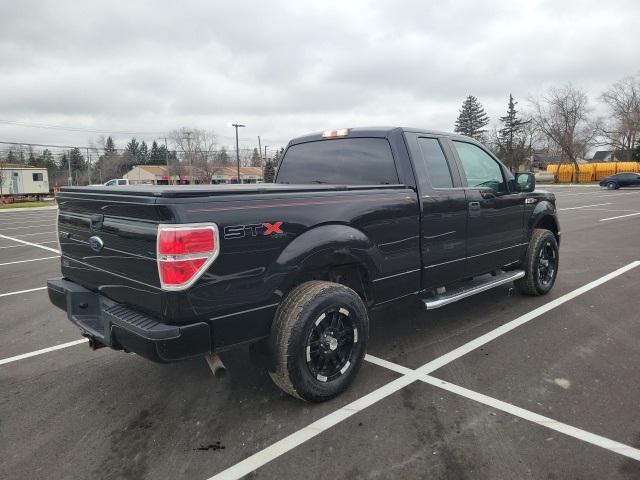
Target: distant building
{"type": "Point", "coordinates": [540, 159]}
{"type": "Point", "coordinates": [150, 174]}
{"type": "Point", "coordinates": [18, 180]}
{"type": "Point", "coordinates": [230, 175]}
{"type": "Point", "coordinates": [605, 156]}
{"type": "Point", "coordinates": [159, 175]}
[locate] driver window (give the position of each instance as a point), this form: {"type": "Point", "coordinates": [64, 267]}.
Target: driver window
{"type": "Point", "coordinates": [479, 168]}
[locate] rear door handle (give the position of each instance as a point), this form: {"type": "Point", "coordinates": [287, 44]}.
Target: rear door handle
{"type": "Point", "coordinates": [474, 205]}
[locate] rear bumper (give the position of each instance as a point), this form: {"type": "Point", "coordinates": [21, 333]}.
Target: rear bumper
{"type": "Point", "coordinates": [122, 328]}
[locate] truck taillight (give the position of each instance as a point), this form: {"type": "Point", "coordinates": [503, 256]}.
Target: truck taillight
{"type": "Point", "coordinates": [185, 252]}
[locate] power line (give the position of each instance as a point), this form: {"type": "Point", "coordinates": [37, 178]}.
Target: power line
{"type": "Point", "coordinates": [73, 129]}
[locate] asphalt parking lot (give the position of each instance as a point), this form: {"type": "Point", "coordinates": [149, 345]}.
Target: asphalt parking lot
{"type": "Point", "coordinates": [498, 386]}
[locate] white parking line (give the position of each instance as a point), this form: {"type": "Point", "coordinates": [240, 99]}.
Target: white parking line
{"type": "Point", "coordinates": [619, 216]}
{"type": "Point", "coordinates": [288, 443]}
{"type": "Point", "coordinates": [24, 242]}
{"type": "Point", "coordinates": [527, 317]}
{"type": "Point", "coordinates": [29, 244]}
{"type": "Point", "coordinates": [27, 261]}
{"type": "Point", "coordinates": [28, 226]}
{"type": "Point", "coordinates": [583, 435]}
{"type": "Point", "coordinates": [40, 352]}
{"type": "Point", "coordinates": [586, 206]}
{"type": "Point", "coordinates": [603, 442]}
{"type": "Point", "coordinates": [297, 438]}
{"type": "Point", "coordinates": [32, 234]}
{"type": "Point", "coordinates": [21, 291]}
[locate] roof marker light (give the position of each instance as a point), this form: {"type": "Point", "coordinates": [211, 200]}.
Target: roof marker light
{"type": "Point", "coordinates": [339, 132]}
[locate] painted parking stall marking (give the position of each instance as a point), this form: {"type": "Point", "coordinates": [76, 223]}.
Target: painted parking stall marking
{"type": "Point", "coordinates": [37, 245]}
{"type": "Point", "coordinates": [283, 446]}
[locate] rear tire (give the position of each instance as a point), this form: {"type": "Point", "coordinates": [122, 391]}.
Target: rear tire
{"type": "Point", "coordinates": [540, 264]}
{"type": "Point", "coordinates": [318, 339]}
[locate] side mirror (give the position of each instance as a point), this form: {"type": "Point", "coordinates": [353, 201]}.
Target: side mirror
{"type": "Point", "coordinates": [525, 182]}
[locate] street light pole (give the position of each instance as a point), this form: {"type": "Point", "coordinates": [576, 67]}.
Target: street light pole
{"type": "Point", "coordinates": [188, 134]}
{"type": "Point", "coordinates": [236, 126]}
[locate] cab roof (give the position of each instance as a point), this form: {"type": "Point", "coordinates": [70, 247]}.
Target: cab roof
{"type": "Point", "coordinates": [375, 132]}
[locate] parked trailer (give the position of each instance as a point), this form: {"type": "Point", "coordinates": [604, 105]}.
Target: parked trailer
{"type": "Point", "coordinates": [19, 181]}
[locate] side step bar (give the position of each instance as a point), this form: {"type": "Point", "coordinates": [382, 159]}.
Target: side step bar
{"type": "Point", "coordinates": [471, 288]}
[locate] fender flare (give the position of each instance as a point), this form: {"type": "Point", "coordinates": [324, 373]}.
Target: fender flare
{"type": "Point", "coordinates": [326, 245]}
{"type": "Point", "coordinates": [544, 212]}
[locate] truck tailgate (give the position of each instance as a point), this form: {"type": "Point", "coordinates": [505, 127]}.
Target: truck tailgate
{"type": "Point", "coordinates": [108, 244]}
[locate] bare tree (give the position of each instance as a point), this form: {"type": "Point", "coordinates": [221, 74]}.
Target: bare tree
{"type": "Point", "coordinates": [622, 129]}
{"type": "Point", "coordinates": [562, 115]}
{"type": "Point", "coordinates": [197, 148]}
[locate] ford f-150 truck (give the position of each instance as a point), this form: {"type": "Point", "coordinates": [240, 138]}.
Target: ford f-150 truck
{"type": "Point", "coordinates": [357, 218]}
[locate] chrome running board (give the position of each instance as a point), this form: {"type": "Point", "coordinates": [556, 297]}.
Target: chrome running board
{"type": "Point", "coordinates": [470, 288]}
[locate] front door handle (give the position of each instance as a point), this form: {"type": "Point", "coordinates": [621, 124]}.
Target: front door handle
{"type": "Point", "coordinates": [474, 205]}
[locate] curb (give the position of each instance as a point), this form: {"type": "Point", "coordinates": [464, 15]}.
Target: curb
{"type": "Point", "coordinates": [567, 185]}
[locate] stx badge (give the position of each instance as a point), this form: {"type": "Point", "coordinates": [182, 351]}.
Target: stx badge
{"type": "Point", "coordinates": [253, 230]}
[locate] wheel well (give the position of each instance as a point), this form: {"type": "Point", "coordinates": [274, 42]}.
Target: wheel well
{"type": "Point", "coordinates": [352, 275]}
{"type": "Point", "coordinates": [548, 223]}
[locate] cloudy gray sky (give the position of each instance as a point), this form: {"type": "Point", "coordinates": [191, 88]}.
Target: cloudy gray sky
{"type": "Point", "coordinates": [286, 68]}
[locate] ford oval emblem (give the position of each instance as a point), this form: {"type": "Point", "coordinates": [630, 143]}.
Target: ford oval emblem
{"type": "Point", "coordinates": [96, 243]}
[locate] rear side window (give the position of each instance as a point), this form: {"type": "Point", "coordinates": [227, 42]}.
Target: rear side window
{"type": "Point", "coordinates": [351, 161]}
{"type": "Point", "coordinates": [435, 163]}
{"type": "Point", "coordinates": [37, 177]}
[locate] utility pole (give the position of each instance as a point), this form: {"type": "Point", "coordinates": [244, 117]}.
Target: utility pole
{"type": "Point", "coordinates": [69, 163]}
{"type": "Point", "coordinates": [166, 159]}
{"type": "Point", "coordinates": [259, 146]}
{"type": "Point", "coordinates": [188, 134]}
{"type": "Point", "coordinates": [236, 126]}
{"type": "Point", "coordinates": [88, 167]}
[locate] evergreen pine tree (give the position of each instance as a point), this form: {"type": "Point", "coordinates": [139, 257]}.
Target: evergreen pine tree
{"type": "Point", "coordinates": [636, 152]}
{"type": "Point", "coordinates": [472, 119]}
{"type": "Point", "coordinates": [256, 159]}
{"type": "Point", "coordinates": [269, 173]}
{"type": "Point", "coordinates": [46, 159]}
{"type": "Point", "coordinates": [511, 140]}
{"type": "Point", "coordinates": [64, 162]}
{"type": "Point", "coordinates": [132, 148]}
{"type": "Point", "coordinates": [76, 159]}
{"type": "Point", "coordinates": [277, 158]}
{"type": "Point", "coordinates": [154, 155]}
{"type": "Point", "coordinates": [109, 146]}
{"type": "Point", "coordinates": [33, 162]}
{"type": "Point", "coordinates": [143, 154]}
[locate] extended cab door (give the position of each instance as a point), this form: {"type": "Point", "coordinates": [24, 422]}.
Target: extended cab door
{"type": "Point", "coordinates": [495, 211]}
{"type": "Point", "coordinates": [443, 225]}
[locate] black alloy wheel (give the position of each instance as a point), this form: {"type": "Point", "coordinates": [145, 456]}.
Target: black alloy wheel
{"type": "Point", "coordinates": [547, 264]}
{"type": "Point", "coordinates": [330, 345]}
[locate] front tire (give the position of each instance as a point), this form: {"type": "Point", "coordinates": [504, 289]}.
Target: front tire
{"type": "Point", "coordinates": [319, 338]}
{"type": "Point", "coordinates": [612, 186]}
{"type": "Point", "coordinates": [541, 264]}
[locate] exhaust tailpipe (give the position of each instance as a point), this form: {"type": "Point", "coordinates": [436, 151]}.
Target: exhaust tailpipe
{"type": "Point", "coordinates": [215, 364]}
{"type": "Point", "coordinates": [95, 344]}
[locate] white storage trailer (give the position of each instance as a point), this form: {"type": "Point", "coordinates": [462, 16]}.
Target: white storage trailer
{"type": "Point", "coordinates": [16, 180]}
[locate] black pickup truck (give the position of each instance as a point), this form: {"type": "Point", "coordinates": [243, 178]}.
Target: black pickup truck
{"type": "Point", "coordinates": [357, 218]}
